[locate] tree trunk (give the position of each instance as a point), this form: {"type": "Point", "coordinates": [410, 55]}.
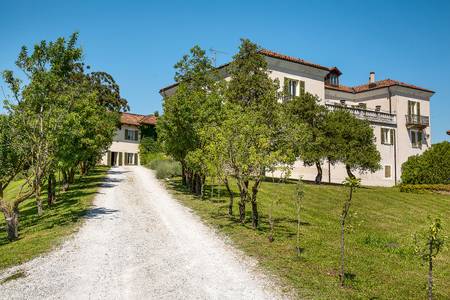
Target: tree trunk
{"type": "Point", "coordinates": [183, 175]}
{"type": "Point", "coordinates": [12, 221]}
{"type": "Point", "coordinates": [319, 173]}
{"type": "Point", "coordinates": [1, 191]}
{"type": "Point", "coordinates": [230, 205]}
{"type": "Point", "coordinates": [255, 215]}
{"type": "Point", "coordinates": [243, 194]}
{"type": "Point", "coordinates": [40, 208]}
{"type": "Point", "coordinates": [430, 274]}
{"type": "Point", "coordinates": [65, 182]}
{"type": "Point", "coordinates": [51, 189]}
{"type": "Point", "coordinates": [71, 176]}
{"type": "Point", "coordinates": [349, 172]}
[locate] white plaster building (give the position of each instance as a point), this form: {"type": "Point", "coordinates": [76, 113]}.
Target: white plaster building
{"type": "Point", "coordinates": [398, 112]}
{"type": "Point", "coordinates": [124, 149]}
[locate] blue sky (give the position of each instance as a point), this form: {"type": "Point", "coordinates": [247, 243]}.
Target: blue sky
{"type": "Point", "coordinates": [138, 42]}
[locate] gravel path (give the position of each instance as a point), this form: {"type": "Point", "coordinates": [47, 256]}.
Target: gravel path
{"type": "Point", "coordinates": [139, 243]}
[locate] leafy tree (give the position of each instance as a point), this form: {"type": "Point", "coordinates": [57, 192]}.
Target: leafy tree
{"type": "Point", "coordinates": [194, 105]}
{"type": "Point", "coordinates": [428, 244]}
{"type": "Point", "coordinates": [351, 141]}
{"type": "Point", "coordinates": [432, 166]}
{"type": "Point", "coordinates": [12, 163]}
{"type": "Point", "coordinates": [306, 109]}
{"type": "Point", "coordinates": [352, 184]}
{"type": "Point", "coordinates": [251, 123]}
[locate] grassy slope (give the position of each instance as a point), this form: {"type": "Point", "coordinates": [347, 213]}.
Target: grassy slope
{"type": "Point", "coordinates": [40, 234]}
{"type": "Point", "coordinates": [378, 245]}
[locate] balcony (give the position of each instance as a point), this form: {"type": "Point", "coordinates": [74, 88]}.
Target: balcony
{"type": "Point", "coordinates": [417, 121]}
{"type": "Point", "coordinates": [376, 116]}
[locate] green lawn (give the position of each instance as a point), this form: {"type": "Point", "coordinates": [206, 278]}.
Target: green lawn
{"type": "Point", "coordinates": [41, 234]}
{"type": "Point", "coordinates": [380, 257]}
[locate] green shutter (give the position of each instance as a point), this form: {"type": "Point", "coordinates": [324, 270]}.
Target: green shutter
{"type": "Point", "coordinates": [125, 162]}
{"type": "Point", "coordinates": [135, 159]}
{"type": "Point", "coordinates": [120, 158]}
{"type": "Point", "coordinates": [382, 136]}
{"type": "Point", "coordinates": [126, 134]}
{"type": "Point", "coordinates": [286, 88]}
{"type": "Point", "coordinates": [419, 138]}
{"type": "Point", "coordinates": [392, 133]}
{"type": "Point", "coordinates": [302, 87]}
{"type": "Point", "coordinates": [418, 110]}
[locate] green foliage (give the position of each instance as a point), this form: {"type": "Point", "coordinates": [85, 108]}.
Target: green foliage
{"type": "Point", "coordinates": [418, 188]}
{"type": "Point", "coordinates": [430, 241]}
{"type": "Point", "coordinates": [149, 149]}
{"type": "Point", "coordinates": [351, 141]}
{"type": "Point", "coordinates": [165, 168]}
{"type": "Point", "coordinates": [431, 167]}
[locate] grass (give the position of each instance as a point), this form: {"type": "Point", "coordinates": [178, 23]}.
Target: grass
{"type": "Point", "coordinates": [38, 235]}
{"type": "Point", "coordinates": [379, 249]}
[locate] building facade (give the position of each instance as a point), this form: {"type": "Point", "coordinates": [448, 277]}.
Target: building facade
{"type": "Point", "coordinates": [124, 149]}
{"type": "Point", "coordinates": [399, 113]}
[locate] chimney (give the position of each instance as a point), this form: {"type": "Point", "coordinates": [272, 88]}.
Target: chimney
{"type": "Point", "coordinates": [372, 78]}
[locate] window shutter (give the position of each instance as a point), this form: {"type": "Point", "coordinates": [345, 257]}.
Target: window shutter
{"type": "Point", "coordinates": [418, 110]}
{"type": "Point", "coordinates": [382, 136]}
{"type": "Point", "coordinates": [126, 134]}
{"type": "Point", "coordinates": [302, 87]}
{"type": "Point", "coordinates": [410, 112]}
{"type": "Point", "coordinates": [419, 137]}
{"type": "Point", "coordinates": [387, 171]}
{"type": "Point", "coordinates": [120, 158]}
{"type": "Point", "coordinates": [136, 159]}
{"type": "Point", "coordinates": [136, 135]}
{"type": "Point", "coordinates": [392, 132]}
{"type": "Point", "coordinates": [286, 88]}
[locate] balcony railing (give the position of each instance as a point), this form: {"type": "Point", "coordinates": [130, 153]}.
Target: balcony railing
{"type": "Point", "coordinates": [365, 114]}
{"type": "Point", "coordinates": [417, 121]}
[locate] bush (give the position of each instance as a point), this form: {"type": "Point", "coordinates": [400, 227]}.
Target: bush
{"type": "Point", "coordinates": [431, 167]}
{"type": "Point", "coordinates": [165, 168]}
{"type": "Point", "coordinates": [418, 188]}
{"type": "Point", "coordinates": [149, 149]}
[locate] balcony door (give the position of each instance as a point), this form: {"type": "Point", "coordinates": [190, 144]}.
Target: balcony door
{"type": "Point", "coordinates": [413, 108]}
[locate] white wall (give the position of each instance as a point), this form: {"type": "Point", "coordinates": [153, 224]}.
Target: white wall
{"type": "Point", "coordinates": [119, 144]}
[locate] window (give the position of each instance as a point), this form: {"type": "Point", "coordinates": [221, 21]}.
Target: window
{"type": "Point", "coordinates": [387, 136]}
{"type": "Point", "coordinates": [131, 135]}
{"type": "Point", "coordinates": [293, 87]}
{"type": "Point", "coordinates": [413, 108]}
{"type": "Point", "coordinates": [129, 158]}
{"type": "Point", "coordinates": [387, 171]}
{"type": "Point", "coordinates": [416, 138]}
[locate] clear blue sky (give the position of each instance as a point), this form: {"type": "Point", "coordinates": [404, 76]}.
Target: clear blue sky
{"type": "Point", "coordinates": [138, 42]}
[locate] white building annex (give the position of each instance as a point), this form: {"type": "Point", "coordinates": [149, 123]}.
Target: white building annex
{"type": "Point", "coordinates": [398, 112]}
{"type": "Point", "coordinates": [124, 149]}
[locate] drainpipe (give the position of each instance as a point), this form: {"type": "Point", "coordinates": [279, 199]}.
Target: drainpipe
{"type": "Point", "coordinates": [395, 138]}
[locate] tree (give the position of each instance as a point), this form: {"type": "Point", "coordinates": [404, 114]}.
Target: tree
{"type": "Point", "coordinates": [428, 244]}
{"type": "Point", "coordinates": [12, 163]}
{"type": "Point", "coordinates": [352, 184]}
{"type": "Point", "coordinates": [306, 109]}
{"type": "Point", "coordinates": [430, 167]}
{"type": "Point", "coordinates": [251, 123]}
{"type": "Point", "coordinates": [195, 104]}
{"type": "Point", "coordinates": [351, 141]}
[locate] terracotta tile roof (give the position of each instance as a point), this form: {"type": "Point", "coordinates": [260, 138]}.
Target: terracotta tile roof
{"type": "Point", "coordinates": [292, 59]}
{"type": "Point", "coordinates": [137, 120]}
{"type": "Point", "coordinates": [377, 85]}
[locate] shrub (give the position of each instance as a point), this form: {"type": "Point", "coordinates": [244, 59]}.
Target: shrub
{"type": "Point", "coordinates": [419, 188]}
{"type": "Point", "coordinates": [431, 167]}
{"type": "Point", "coordinates": [165, 168]}
{"type": "Point", "coordinates": [149, 149]}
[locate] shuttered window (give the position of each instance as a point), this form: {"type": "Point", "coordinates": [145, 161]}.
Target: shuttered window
{"type": "Point", "coordinates": [293, 88]}
{"type": "Point", "coordinates": [387, 171]}
{"type": "Point", "coordinates": [387, 136]}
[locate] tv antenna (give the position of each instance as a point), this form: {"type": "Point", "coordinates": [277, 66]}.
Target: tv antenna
{"type": "Point", "coordinates": [214, 54]}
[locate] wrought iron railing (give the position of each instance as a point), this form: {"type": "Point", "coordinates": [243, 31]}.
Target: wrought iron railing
{"type": "Point", "coordinates": [417, 120]}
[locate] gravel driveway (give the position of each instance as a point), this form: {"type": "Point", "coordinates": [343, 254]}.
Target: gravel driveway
{"type": "Point", "coordinates": [139, 243]}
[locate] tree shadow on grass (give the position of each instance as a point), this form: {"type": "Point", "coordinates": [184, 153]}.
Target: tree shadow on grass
{"type": "Point", "coordinates": [70, 207]}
